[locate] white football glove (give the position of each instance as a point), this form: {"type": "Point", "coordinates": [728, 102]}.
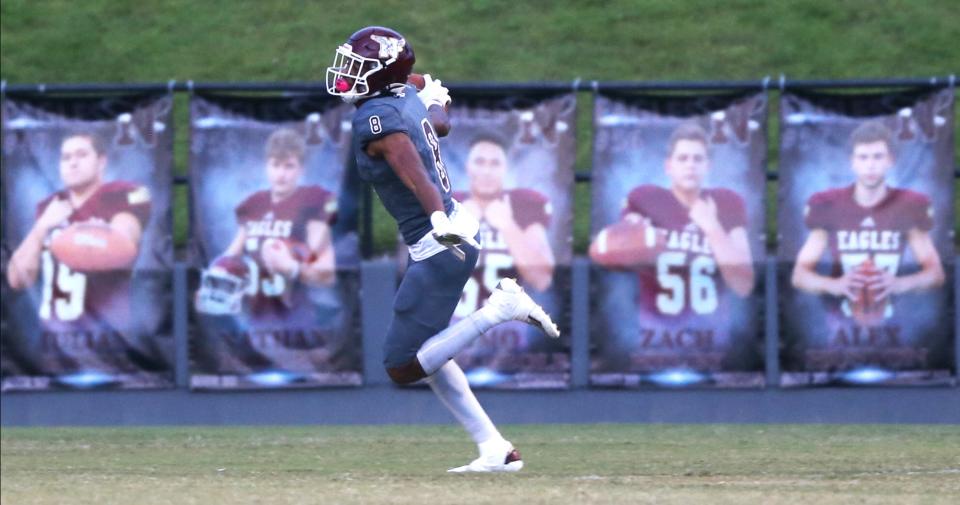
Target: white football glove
{"type": "Point", "coordinates": [447, 234]}
{"type": "Point", "coordinates": [433, 92]}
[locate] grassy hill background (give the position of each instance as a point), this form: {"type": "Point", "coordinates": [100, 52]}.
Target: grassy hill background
{"type": "Point", "coordinates": [484, 40]}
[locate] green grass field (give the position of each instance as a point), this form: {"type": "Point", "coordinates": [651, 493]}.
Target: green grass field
{"type": "Point", "coordinates": [483, 40]}
{"type": "Point", "coordinates": [715, 464]}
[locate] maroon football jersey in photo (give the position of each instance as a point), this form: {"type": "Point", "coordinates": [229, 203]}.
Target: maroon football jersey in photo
{"type": "Point", "coordinates": [684, 281]}
{"type": "Point", "coordinates": [858, 233]}
{"type": "Point", "coordinates": [273, 295]}
{"type": "Point", "coordinates": [87, 300]}
{"type": "Point", "coordinates": [495, 261]}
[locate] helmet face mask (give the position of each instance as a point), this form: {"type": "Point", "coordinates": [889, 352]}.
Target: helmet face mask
{"type": "Point", "coordinates": [372, 59]}
{"type": "Point", "coordinates": [347, 77]}
{"type": "Point", "coordinates": [222, 287]}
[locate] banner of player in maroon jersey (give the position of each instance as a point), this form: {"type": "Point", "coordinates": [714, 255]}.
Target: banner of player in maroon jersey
{"type": "Point", "coordinates": [511, 160]}
{"type": "Point", "coordinates": [677, 243]}
{"type": "Point", "coordinates": [866, 253]}
{"type": "Point", "coordinates": [274, 243]}
{"type": "Point", "coordinates": [87, 249]}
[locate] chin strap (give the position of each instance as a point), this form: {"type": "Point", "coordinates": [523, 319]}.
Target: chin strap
{"type": "Point", "coordinates": [352, 99]}
{"type": "Point", "coordinates": [397, 89]}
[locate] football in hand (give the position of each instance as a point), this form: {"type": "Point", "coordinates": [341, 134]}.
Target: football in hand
{"type": "Point", "coordinates": [417, 81]}
{"type": "Point", "coordinates": [627, 244]}
{"type": "Point", "coordinates": [866, 310]}
{"type": "Point", "coordinates": [87, 247]}
{"type": "Point", "coordinates": [274, 247]}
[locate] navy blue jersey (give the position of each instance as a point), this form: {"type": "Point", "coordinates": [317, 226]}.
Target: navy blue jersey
{"type": "Point", "coordinates": [381, 116]}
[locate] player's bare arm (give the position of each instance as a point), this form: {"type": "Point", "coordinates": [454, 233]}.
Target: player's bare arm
{"type": "Point", "coordinates": [24, 264]}
{"type": "Point", "coordinates": [313, 265]}
{"type": "Point", "coordinates": [320, 270]}
{"type": "Point", "coordinates": [930, 275]}
{"type": "Point", "coordinates": [400, 153]}
{"type": "Point", "coordinates": [730, 249]}
{"type": "Point", "coordinates": [529, 246]}
{"type": "Point", "coordinates": [806, 278]}
{"type": "Point", "coordinates": [127, 227]}
{"type": "Point", "coordinates": [440, 120]}
{"type": "Point", "coordinates": [436, 98]}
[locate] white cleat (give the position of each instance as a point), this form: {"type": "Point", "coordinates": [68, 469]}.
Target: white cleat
{"type": "Point", "coordinates": [511, 303]}
{"type": "Point", "coordinates": [504, 460]}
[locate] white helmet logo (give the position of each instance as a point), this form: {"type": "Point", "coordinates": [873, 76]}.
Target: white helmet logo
{"type": "Point", "coordinates": [389, 47]}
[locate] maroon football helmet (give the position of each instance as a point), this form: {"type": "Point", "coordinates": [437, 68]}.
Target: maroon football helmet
{"type": "Point", "coordinates": [372, 59]}
{"type": "Point", "coordinates": [223, 285]}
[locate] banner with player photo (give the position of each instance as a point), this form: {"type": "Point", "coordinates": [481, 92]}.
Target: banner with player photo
{"type": "Point", "coordinates": [274, 243]}
{"type": "Point", "coordinates": [87, 246]}
{"type": "Point", "coordinates": [677, 240]}
{"type": "Point", "coordinates": [866, 252]}
{"type": "Point", "coordinates": [511, 159]}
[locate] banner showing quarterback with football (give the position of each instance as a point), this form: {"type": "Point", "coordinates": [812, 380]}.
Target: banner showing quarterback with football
{"type": "Point", "coordinates": [276, 302]}
{"type": "Point", "coordinates": [866, 253]}
{"type": "Point", "coordinates": [511, 159]}
{"type": "Point", "coordinates": [87, 249]}
{"type": "Point", "coordinates": [677, 247]}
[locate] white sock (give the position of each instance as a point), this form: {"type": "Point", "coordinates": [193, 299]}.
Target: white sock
{"type": "Point", "coordinates": [451, 386]}
{"type": "Point", "coordinates": [443, 346]}
{"type": "Point", "coordinates": [494, 449]}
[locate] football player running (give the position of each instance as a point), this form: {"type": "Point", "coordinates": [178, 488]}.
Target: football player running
{"type": "Point", "coordinates": [867, 225]}
{"type": "Point", "coordinates": [396, 134]}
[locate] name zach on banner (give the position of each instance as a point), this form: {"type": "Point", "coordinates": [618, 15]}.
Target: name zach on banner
{"type": "Point", "coordinates": [677, 219]}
